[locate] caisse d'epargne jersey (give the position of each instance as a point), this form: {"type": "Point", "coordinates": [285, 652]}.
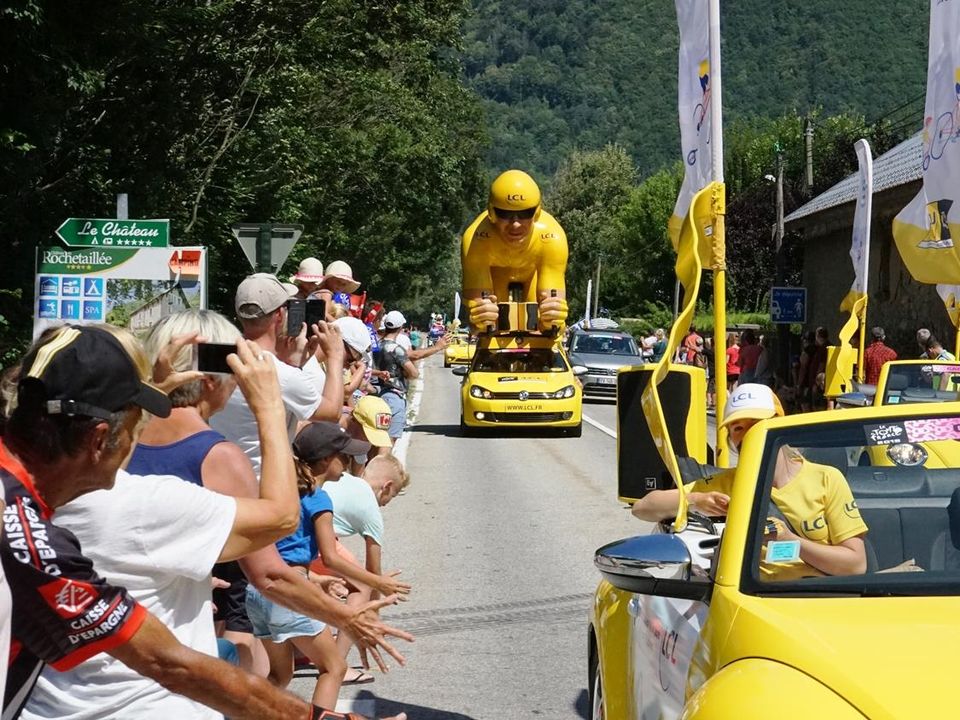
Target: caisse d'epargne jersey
{"type": "Point", "coordinates": [63, 612]}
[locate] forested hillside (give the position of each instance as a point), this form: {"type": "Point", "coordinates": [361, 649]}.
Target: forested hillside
{"type": "Point", "coordinates": [559, 75]}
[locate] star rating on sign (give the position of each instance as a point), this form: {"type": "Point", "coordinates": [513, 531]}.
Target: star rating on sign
{"type": "Point", "coordinates": [134, 243]}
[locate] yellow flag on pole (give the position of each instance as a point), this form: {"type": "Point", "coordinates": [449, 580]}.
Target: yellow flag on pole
{"type": "Point", "coordinates": [925, 230]}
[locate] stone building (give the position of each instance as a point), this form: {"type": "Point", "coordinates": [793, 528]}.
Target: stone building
{"type": "Point", "coordinates": [897, 302]}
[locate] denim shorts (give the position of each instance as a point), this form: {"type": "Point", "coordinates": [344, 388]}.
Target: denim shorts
{"type": "Point", "coordinates": [275, 622]}
{"type": "Point", "coordinates": [398, 413]}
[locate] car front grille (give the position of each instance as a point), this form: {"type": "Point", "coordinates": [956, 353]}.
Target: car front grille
{"type": "Point", "coordinates": [516, 396]}
{"type": "Point", "coordinates": [602, 371]}
{"type": "Point", "coordinates": [524, 417]}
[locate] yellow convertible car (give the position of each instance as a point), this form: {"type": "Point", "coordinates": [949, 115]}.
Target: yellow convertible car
{"type": "Point", "coordinates": [520, 380]}
{"type": "Point", "coordinates": [460, 350]}
{"type": "Point", "coordinates": [763, 613]}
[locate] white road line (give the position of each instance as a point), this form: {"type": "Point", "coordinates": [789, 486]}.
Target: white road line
{"type": "Point", "coordinates": [601, 428]}
{"type": "Point", "coordinates": [413, 409]}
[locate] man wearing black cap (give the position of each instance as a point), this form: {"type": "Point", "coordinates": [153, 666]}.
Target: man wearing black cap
{"type": "Point", "coordinates": [876, 354]}
{"type": "Point", "coordinates": [80, 401]}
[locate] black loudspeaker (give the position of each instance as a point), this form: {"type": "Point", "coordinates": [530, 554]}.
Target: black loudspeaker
{"type": "Point", "coordinates": [640, 468]}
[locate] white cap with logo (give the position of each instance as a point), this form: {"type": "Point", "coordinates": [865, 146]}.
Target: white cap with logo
{"type": "Point", "coordinates": [393, 320]}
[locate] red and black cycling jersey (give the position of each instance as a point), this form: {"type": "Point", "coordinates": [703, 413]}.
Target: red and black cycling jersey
{"type": "Point", "coordinates": [63, 612]}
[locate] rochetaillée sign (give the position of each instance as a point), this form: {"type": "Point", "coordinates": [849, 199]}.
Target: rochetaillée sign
{"type": "Point", "coordinates": [100, 232]}
{"type": "Point", "coordinates": [133, 288]}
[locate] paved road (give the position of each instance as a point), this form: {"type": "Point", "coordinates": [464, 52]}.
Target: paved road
{"type": "Point", "coordinates": [497, 537]}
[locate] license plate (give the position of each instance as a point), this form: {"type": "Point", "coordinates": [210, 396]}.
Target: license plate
{"type": "Point", "coordinates": [606, 381]}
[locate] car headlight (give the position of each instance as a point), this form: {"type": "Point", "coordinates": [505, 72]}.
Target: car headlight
{"type": "Point", "coordinates": [478, 392]}
{"type": "Point", "coordinates": [565, 392]}
{"type": "Point", "coordinates": [907, 454]}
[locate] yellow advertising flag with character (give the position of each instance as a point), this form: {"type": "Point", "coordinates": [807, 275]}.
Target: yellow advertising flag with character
{"type": "Point", "coordinates": [927, 229]}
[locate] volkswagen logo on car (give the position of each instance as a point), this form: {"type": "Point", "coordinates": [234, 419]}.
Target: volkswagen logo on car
{"type": "Point", "coordinates": [523, 395]}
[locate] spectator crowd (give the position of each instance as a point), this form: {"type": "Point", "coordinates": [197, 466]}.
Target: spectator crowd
{"type": "Point", "coordinates": [172, 539]}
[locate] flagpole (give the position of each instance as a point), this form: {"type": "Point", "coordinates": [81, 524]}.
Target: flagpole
{"type": "Point", "coordinates": [719, 263]}
{"type": "Point", "coordinates": [863, 148]}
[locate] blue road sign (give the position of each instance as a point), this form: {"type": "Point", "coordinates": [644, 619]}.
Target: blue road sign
{"type": "Point", "coordinates": [788, 304]}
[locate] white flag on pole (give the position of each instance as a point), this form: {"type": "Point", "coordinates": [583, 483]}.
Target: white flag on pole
{"type": "Point", "coordinates": [860, 246]}
{"type": "Point", "coordinates": [694, 96]}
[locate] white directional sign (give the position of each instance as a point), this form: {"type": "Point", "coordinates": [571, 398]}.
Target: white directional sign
{"type": "Point", "coordinates": [280, 237]}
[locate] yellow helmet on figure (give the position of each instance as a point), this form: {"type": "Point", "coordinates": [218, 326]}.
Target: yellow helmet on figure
{"type": "Point", "coordinates": [516, 192]}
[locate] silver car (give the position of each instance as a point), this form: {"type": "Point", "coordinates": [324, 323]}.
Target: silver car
{"type": "Point", "coordinates": [602, 352]}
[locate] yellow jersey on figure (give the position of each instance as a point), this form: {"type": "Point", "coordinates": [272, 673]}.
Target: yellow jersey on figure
{"type": "Point", "coordinates": [516, 252]}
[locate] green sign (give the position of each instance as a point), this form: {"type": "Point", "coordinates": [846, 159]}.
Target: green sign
{"type": "Point", "coordinates": [92, 232]}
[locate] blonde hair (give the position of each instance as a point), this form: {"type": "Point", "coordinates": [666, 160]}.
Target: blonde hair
{"type": "Point", "coordinates": [338, 311]}
{"type": "Point", "coordinates": [211, 326]}
{"type": "Point", "coordinates": [400, 477]}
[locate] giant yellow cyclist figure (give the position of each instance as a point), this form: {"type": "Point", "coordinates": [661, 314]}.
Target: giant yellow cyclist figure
{"type": "Point", "coordinates": [517, 252]}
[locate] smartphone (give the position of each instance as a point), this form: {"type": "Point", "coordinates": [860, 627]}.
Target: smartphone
{"type": "Point", "coordinates": [211, 358]}
{"type": "Point", "coordinates": [316, 312]}
{"type": "Point", "coordinates": [296, 315]}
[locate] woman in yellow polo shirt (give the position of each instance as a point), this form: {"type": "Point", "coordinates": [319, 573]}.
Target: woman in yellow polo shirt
{"type": "Point", "coordinates": [815, 517]}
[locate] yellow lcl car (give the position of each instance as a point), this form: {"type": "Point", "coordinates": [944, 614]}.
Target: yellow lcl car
{"type": "Point", "coordinates": [721, 620]}
{"type": "Point", "coordinates": [520, 380]}
{"type": "Point", "coordinates": [460, 350]}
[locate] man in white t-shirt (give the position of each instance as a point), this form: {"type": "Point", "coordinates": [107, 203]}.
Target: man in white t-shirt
{"type": "Point", "coordinates": [261, 305]}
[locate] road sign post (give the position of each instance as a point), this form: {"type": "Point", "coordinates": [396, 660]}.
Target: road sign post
{"type": "Point", "coordinates": [266, 245]}
{"type": "Point", "coordinates": [788, 305]}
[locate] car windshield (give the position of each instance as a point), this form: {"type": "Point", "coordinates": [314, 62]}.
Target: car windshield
{"type": "Point", "coordinates": [519, 360]}
{"type": "Point", "coordinates": [603, 344]}
{"type": "Point", "coordinates": [919, 382]}
{"type": "Point", "coordinates": [866, 507]}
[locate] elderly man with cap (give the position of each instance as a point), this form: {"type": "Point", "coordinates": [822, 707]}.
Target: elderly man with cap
{"type": "Point", "coordinates": [308, 277]}
{"type": "Point", "coordinates": [80, 401]}
{"type": "Point", "coordinates": [876, 354]}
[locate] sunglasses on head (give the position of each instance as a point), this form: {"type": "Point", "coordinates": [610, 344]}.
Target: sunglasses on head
{"type": "Point", "coordinates": [514, 214]}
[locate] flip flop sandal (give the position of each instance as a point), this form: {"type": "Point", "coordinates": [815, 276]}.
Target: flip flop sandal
{"type": "Point", "coordinates": [361, 678]}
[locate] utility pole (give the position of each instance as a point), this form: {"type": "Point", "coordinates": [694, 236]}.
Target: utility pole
{"type": "Point", "coordinates": [780, 272]}
{"type": "Point", "coordinates": [808, 147]}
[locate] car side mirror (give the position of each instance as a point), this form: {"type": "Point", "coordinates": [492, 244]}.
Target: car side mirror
{"type": "Point", "coordinates": [579, 370]}
{"type": "Point", "coordinates": [657, 564]}
{"type": "Point", "coordinates": [461, 370]}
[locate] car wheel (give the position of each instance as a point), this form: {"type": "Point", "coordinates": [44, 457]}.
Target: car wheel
{"type": "Point", "coordinates": [596, 693]}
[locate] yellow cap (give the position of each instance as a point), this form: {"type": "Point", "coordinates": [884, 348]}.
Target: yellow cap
{"type": "Point", "coordinates": [513, 190]}
{"type": "Point", "coordinates": [374, 415]}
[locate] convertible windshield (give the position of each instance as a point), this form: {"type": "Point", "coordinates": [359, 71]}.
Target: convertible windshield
{"type": "Point", "coordinates": [920, 382]}
{"type": "Point", "coordinates": [869, 507]}
{"type": "Point", "coordinates": [519, 360]}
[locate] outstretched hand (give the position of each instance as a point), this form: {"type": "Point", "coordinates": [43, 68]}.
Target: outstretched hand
{"type": "Point", "coordinates": [370, 633]}
{"type": "Point", "coordinates": [389, 585]}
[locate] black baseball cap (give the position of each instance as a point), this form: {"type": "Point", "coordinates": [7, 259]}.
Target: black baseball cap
{"type": "Point", "coordinates": [85, 371]}
{"type": "Point", "coordinates": [320, 440]}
